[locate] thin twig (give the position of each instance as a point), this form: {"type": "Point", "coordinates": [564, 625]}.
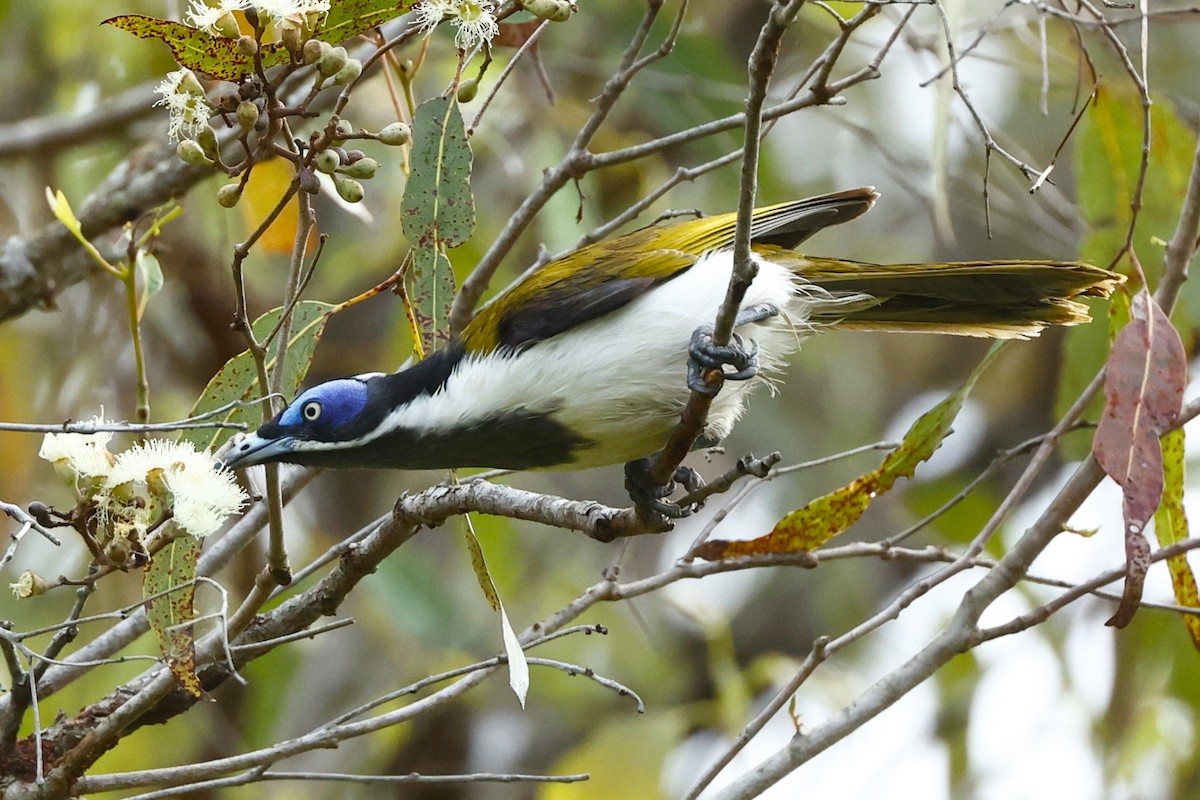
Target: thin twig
{"type": "Point", "coordinates": [760, 68]}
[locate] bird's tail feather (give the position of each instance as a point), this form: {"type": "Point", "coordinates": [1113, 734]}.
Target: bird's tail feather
{"type": "Point", "coordinates": [999, 299]}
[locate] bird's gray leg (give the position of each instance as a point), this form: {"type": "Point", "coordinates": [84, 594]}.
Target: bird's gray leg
{"type": "Point", "coordinates": [705, 355]}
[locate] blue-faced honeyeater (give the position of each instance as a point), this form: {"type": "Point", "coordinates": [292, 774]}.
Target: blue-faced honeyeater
{"type": "Point", "coordinates": [584, 361]}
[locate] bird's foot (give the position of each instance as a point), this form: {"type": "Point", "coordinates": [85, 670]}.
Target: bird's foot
{"type": "Point", "coordinates": [705, 355]}
{"type": "Point", "coordinates": [650, 498]}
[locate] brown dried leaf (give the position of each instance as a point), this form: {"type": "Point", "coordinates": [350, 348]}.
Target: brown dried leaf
{"type": "Point", "coordinates": [1144, 381]}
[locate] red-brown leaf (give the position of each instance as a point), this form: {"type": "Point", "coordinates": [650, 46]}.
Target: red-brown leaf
{"type": "Point", "coordinates": [1144, 381]}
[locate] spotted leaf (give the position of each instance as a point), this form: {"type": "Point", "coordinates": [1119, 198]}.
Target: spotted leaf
{"type": "Point", "coordinates": [810, 527]}
{"type": "Point", "coordinates": [174, 568]}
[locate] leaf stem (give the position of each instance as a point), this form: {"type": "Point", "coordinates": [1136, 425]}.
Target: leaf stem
{"type": "Point", "coordinates": [129, 279]}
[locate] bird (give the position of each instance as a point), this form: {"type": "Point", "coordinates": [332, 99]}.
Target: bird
{"type": "Point", "coordinates": [588, 360]}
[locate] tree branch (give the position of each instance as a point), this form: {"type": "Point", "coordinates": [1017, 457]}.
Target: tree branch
{"type": "Point", "coordinates": [35, 267]}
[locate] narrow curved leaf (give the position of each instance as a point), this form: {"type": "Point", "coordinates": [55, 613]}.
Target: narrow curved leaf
{"type": "Point", "coordinates": [518, 667]}
{"type": "Point", "coordinates": [169, 614]}
{"type": "Point", "coordinates": [1108, 156]}
{"type": "Point", "coordinates": [238, 380]}
{"type": "Point", "coordinates": [437, 212]}
{"type": "Point", "coordinates": [1144, 380]}
{"type": "Point", "coordinates": [430, 292]}
{"type": "Point", "coordinates": [437, 207]}
{"type": "Point", "coordinates": [810, 527]}
{"type": "Point", "coordinates": [1171, 526]}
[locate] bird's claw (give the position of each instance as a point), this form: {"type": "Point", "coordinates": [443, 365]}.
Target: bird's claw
{"type": "Point", "coordinates": [705, 355]}
{"type": "Point", "coordinates": [650, 498]}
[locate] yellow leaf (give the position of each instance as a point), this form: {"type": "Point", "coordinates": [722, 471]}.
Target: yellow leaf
{"type": "Point", "coordinates": [1171, 526]}
{"type": "Point", "coordinates": [268, 182]}
{"type": "Point", "coordinates": [518, 667]}
{"type": "Point", "coordinates": [62, 210]}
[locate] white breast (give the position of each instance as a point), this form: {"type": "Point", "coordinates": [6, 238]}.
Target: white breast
{"type": "Point", "coordinates": [620, 380]}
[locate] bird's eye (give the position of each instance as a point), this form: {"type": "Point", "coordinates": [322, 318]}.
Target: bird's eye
{"type": "Point", "coordinates": [311, 411]}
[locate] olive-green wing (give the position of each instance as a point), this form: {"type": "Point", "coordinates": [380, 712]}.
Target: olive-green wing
{"type": "Point", "coordinates": [575, 289]}
{"type": "Point", "coordinates": [602, 277]}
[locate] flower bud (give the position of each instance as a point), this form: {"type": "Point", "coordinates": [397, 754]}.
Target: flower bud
{"type": "Point", "coordinates": [191, 152]}
{"type": "Point", "coordinates": [396, 134]}
{"type": "Point", "coordinates": [189, 84]}
{"type": "Point", "coordinates": [327, 161]}
{"type": "Point", "coordinates": [41, 512]}
{"type": "Point", "coordinates": [229, 194]}
{"type": "Point", "coordinates": [343, 130]}
{"type": "Point", "coordinates": [350, 156]}
{"type": "Point", "coordinates": [467, 90]}
{"type": "Point", "coordinates": [246, 46]}
{"type": "Point", "coordinates": [332, 62]}
{"type": "Point", "coordinates": [349, 189]}
{"type": "Point", "coordinates": [364, 168]}
{"type": "Point", "coordinates": [309, 182]}
{"type": "Point", "coordinates": [553, 10]}
{"type": "Point", "coordinates": [290, 34]}
{"type": "Point", "coordinates": [313, 50]}
{"type": "Point", "coordinates": [226, 26]}
{"type": "Point", "coordinates": [207, 139]}
{"type": "Point", "coordinates": [247, 114]}
{"type": "Point", "coordinates": [348, 73]}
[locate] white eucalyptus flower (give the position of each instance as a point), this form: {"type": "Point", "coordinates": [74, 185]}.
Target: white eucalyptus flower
{"type": "Point", "coordinates": [213, 17]}
{"type": "Point", "coordinates": [475, 19]}
{"type": "Point", "coordinates": [30, 584]}
{"type": "Point", "coordinates": [79, 457]}
{"type": "Point", "coordinates": [201, 495]}
{"type": "Point", "coordinates": [185, 102]}
{"type": "Point", "coordinates": [302, 12]}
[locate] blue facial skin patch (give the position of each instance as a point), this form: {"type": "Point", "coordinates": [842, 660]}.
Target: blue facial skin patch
{"type": "Point", "coordinates": [336, 404]}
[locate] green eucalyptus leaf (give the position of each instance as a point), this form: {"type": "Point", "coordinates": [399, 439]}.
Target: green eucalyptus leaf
{"type": "Point", "coordinates": [218, 57]}
{"type": "Point", "coordinates": [431, 293]}
{"type": "Point", "coordinates": [199, 50]}
{"type": "Point", "coordinates": [1108, 153]}
{"type": "Point", "coordinates": [437, 212]}
{"type": "Point", "coordinates": [174, 566]}
{"type": "Point", "coordinates": [151, 275]}
{"type": "Point", "coordinates": [437, 207]}
{"type": "Point", "coordinates": [348, 18]}
{"type": "Point", "coordinates": [238, 379]}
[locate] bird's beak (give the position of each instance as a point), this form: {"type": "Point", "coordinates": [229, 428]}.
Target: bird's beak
{"type": "Point", "coordinates": [252, 449]}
